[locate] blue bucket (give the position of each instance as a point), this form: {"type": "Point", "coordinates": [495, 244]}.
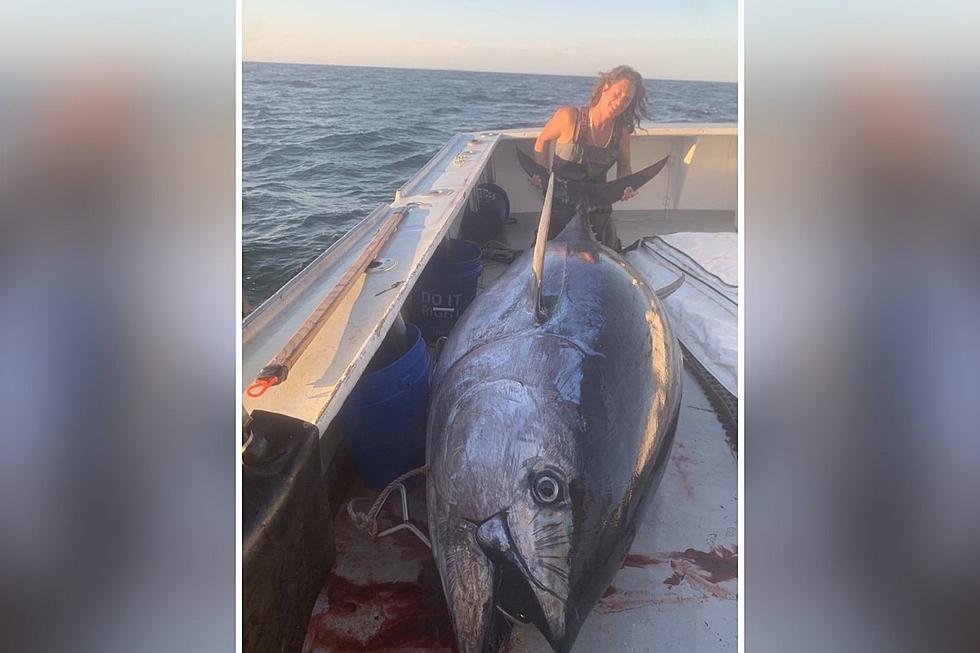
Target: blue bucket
{"type": "Point", "coordinates": [384, 418]}
{"type": "Point", "coordinates": [446, 287]}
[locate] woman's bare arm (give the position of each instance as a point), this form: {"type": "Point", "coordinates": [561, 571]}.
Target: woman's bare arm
{"type": "Point", "coordinates": [561, 127]}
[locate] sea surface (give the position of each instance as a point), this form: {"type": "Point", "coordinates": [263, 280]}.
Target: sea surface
{"type": "Point", "coordinates": [322, 146]}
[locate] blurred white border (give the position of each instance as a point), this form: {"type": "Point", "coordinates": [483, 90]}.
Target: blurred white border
{"type": "Point", "coordinates": [741, 326]}
{"type": "Point", "coordinates": [238, 324]}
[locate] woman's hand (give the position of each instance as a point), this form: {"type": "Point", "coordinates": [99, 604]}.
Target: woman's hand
{"type": "Point", "coordinates": [628, 193]}
{"type": "Point", "coordinates": [536, 182]}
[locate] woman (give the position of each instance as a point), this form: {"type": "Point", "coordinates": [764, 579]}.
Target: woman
{"type": "Point", "coordinates": [589, 140]}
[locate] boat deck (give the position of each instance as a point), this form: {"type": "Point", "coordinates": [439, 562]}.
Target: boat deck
{"type": "Point", "coordinates": [676, 592]}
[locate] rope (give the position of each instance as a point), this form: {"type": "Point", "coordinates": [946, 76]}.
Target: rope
{"type": "Point", "coordinates": [498, 251]}
{"type": "Point", "coordinates": [368, 522]}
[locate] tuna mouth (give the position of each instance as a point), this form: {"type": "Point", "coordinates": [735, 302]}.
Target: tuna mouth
{"type": "Point", "coordinates": [487, 579]}
{"type": "Point", "coordinates": [517, 591]}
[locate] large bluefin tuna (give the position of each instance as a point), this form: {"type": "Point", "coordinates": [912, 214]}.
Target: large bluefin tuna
{"type": "Point", "coordinates": [554, 406]}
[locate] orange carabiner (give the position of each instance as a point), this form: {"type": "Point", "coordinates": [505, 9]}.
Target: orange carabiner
{"type": "Point", "coordinates": [258, 388]}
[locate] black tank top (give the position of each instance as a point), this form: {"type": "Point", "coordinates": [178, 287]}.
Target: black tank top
{"type": "Point", "coordinates": [580, 159]}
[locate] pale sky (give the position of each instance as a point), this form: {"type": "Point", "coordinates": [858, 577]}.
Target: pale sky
{"type": "Point", "coordinates": [662, 39]}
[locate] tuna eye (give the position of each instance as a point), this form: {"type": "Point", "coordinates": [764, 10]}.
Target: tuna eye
{"type": "Point", "coordinates": [547, 488]}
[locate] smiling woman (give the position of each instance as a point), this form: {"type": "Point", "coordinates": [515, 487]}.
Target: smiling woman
{"type": "Point", "coordinates": [587, 142]}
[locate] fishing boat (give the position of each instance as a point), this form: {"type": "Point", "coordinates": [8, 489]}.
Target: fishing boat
{"type": "Point", "coordinates": [331, 565]}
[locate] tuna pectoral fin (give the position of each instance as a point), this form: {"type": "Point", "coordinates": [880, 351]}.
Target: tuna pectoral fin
{"type": "Point", "coordinates": [612, 191]}
{"type": "Point", "coordinates": [468, 580]}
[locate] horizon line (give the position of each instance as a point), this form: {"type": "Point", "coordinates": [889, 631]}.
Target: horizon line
{"type": "Point", "coordinates": [461, 70]}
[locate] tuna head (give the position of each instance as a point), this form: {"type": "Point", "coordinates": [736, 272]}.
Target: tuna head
{"type": "Point", "coordinates": [506, 490]}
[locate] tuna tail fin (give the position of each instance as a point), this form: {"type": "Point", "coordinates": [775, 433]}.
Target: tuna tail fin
{"type": "Point", "coordinates": [592, 194]}
{"type": "Point", "coordinates": [531, 167]}
{"type": "Point", "coordinates": [612, 191]}
{"type": "Point", "coordinates": [537, 263]}
{"type": "Point", "coordinates": [566, 191]}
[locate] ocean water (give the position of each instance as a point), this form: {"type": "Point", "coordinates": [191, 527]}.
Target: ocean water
{"type": "Point", "coordinates": [322, 146]}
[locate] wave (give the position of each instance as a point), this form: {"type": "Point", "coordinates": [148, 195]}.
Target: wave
{"type": "Point", "coordinates": [413, 162]}
{"type": "Point", "coordinates": [349, 140]}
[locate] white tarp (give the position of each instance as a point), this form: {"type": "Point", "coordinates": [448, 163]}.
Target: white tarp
{"type": "Point", "coordinates": [716, 253]}
{"type": "Point", "coordinates": [704, 310]}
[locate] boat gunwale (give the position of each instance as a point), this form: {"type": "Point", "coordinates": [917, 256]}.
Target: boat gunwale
{"type": "Point", "coordinates": [290, 291]}
{"type": "Point", "coordinates": [330, 262]}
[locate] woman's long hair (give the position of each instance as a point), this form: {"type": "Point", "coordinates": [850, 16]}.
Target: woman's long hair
{"type": "Point", "coordinates": [637, 109]}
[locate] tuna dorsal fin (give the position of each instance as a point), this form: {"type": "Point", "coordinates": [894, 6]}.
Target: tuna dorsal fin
{"type": "Point", "coordinates": [537, 263]}
{"type": "Point", "coordinates": [612, 191]}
